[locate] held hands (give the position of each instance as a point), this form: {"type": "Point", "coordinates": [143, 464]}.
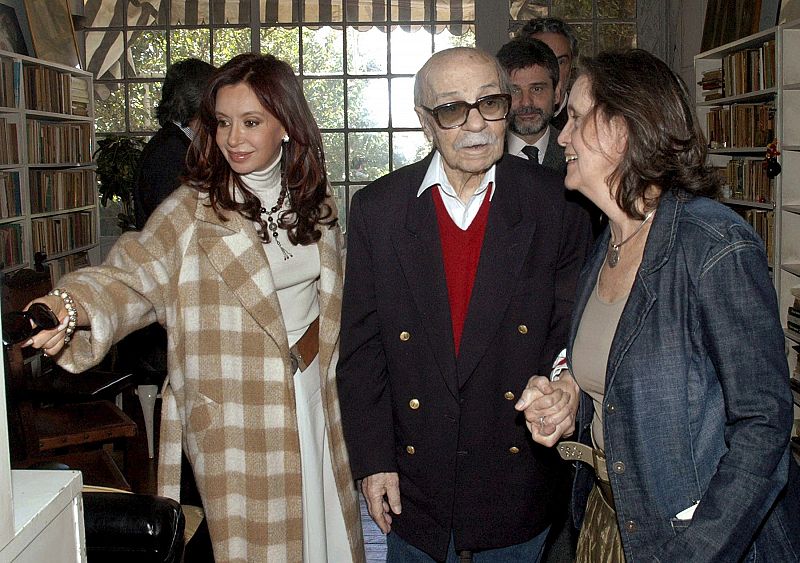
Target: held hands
{"type": "Point", "coordinates": [550, 407]}
{"type": "Point", "coordinates": [382, 491]}
{"type": "Point", "coordinates": [51, 341]}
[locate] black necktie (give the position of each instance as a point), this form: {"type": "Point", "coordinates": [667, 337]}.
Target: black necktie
{"type": "Point", "coordinates": [532, 153]}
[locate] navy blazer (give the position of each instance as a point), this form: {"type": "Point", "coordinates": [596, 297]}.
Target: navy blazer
{"type": "Point", "coordinates": [697, 401]}
{"type": "Point", "coordinates": [447, 424]}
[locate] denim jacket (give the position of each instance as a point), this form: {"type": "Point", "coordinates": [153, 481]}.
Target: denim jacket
{"type": "Point", "coordinates": [697, 405]}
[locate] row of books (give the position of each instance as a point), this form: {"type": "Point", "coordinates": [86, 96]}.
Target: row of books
{"type": "Point", "coordinates": [741, 125]}
{"type": "Point", "coordinates": [9, 79]}
{"type": "Point", "coordinates": [67, 264]}
{"type": "Point", "coordinates": [47, 89]}
{"type": "Point", "coordinates": [10, 203]}
{"type": "Point", "coordinates": [59, 143]}
{"type": "Point", "coordinates": [9, 148]}
{"type": "Point", "coordinates": [746, 179]}
{"type": "Point", "coordinates": [11, 245]}
{"type": "Point", "coordinates": [749, 70]}
{"type": "Point", "coordinates": [763, 222]}
{"type": "Point", "coordinates": [62, 233]}
{"type": "Point", "coordinates": [56, 190]}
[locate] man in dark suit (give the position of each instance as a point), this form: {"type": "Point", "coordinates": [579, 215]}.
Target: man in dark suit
{"type": "Point", "coordinates": [163, 161]}
{"type": "Point", "coordinates": [459, 287]}
{"type": "Point", "coordinates": [561, 38]}
{"type": "Point", "coordinates": [533, 70]}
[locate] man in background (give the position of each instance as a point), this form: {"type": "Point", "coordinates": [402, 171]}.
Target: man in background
{"type": "Point", "coordinates": [163, 161]}
{"type": "Point", "coordinates": [533, 70]}
{"type": "Point", "coordinates": [561, 38]}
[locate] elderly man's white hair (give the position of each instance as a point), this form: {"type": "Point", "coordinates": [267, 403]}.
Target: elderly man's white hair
{"type": "Point", "coordinates": [422, 91]}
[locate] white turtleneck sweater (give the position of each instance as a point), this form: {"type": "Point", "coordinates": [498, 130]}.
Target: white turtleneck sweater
{"type": "Point", "coordinates": [295, 278]}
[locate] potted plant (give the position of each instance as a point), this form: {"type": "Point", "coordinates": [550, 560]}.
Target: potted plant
{"type": "Point", "coordinates": [117, 157]}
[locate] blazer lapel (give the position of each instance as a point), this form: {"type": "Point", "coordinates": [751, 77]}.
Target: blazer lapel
{"type": "Point", "coordinates": [420, 252]}
{"type": "Point", "coordinates": [505, 246]}
{"type": "Point", "coordinates": [238, 256]}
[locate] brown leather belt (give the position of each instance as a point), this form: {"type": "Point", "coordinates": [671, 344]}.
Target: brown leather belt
{"type": "Point", "coordinates": [575, 451]}
{"type": "Point", "coordinates": [305, 350]}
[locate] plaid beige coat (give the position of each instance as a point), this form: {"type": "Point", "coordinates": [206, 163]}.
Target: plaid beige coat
{"type": "Point", "coordinates": [229, 398]}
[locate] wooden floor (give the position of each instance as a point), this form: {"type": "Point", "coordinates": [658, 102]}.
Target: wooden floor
{"type": "Point", "coordinates": [141, 473]}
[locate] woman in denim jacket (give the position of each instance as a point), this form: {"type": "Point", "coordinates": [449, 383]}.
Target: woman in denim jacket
{"type": "Point", "coordinates": [676, 341]}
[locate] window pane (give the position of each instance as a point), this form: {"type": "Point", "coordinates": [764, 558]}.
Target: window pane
{"type": "Point", "coordinates": [330, 10]}
{"type": "Point", "coordinates": [148, 54]}
{"type": "Point", "coordinates": [283, 43]}
{"type": "Point", "coordinates": [403, 114]}
{"type": "Point", "coordinates": [325, 96]}
{"type": "Point", "coordinates": [340, 197]}
{"type": "Point", "coordinates": [143, 97]}
{"type": "Point", "coordinates": [523, 10]}
{"type": "Point", "coordinates": [455, 11]}
{"type": "Point", "coordinates": [98, 55]}
{"type": "Point", "coordinates": [366, 51]}
{"type": "Point", "coordinates": [572, 9]}
{"type": "Point", "coordinates": [369, 156]}
{"type": "Point", "coordinates": [410, 49]}
{"type": "Point", "coordinates": [230, 12]}
{"type": "Point", "coordinates": [409, 147]}
{"type": "Point", "coordinates": [109, 107]}
{"type": "Point", "coordinates": [616, 35]}
{"type": "Point", "coordinates": [585, 35]}
{"type": "Point", "coordinates": [444, 39]}
{"type": "Point", "coordinates": [333, 143]}
{"type": "Point", "coordinates": [322, 51]}
{"type": "Point", "coordinates": [279, 12]}
{"type": "Point", "coordinates": [189, 13]}
{"type": "Point", "coordinates": [229, 42]}
{"type": "Point", "coordinates": [188, 43]}
{"type": "Point", "coordinates": [139, 13]}
{"type": "Point", "coordinates": [616, 9]}
{"type": "Point", "coordinates": [368, 103]}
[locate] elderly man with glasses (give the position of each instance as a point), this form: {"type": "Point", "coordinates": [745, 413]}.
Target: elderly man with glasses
{"type": "Point", "coordinates": [460, 281]}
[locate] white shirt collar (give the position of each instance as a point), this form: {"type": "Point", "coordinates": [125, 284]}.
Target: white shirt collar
{"type": "Point", "coordinates": [515, 144]}
{"type": "Point", "coordinates": [436, 175]}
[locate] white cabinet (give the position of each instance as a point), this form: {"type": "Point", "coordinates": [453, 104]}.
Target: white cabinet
{"type": "Point", "coordinates": [48, 518]}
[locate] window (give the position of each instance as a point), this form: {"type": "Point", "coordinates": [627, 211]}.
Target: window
{"type": "Point", "coordinates": [599, 24]}
{"type": "Point", "coordinates": [356, 60]}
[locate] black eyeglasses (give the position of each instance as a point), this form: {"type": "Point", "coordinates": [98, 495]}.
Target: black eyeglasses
{"type": "Point", "coordinates": [493, 107]}
{"type": "Point", "coordinates": [17, 325]}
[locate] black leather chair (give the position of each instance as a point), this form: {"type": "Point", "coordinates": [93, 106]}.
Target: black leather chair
{"type": "Point", "coordinates": [132, 528]}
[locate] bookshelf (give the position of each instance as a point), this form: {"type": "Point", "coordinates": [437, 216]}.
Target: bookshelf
{"type": "Point", "coordinates": [747, 94]}
{"type": "Point", "coordinates": [48, 191]}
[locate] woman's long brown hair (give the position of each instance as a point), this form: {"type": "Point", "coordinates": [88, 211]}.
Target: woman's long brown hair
{"type": "Point", "coordinates": [303, 160]}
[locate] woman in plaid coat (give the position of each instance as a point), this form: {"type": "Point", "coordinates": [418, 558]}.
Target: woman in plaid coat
{"type": "Point", "coordinates": [243, 266]}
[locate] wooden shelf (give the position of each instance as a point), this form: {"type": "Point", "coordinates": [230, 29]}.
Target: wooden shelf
{"type": "Point", "coordinates": [752, 204]}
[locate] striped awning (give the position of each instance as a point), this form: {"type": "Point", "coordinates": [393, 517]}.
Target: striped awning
{"type": "Point", "coordinates": [103, 50]}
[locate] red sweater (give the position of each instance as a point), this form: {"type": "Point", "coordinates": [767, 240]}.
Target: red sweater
{"type": "Point", "coordinates": [461, 251]}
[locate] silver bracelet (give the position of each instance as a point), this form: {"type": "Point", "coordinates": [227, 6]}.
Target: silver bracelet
{"type": "Point", "coordinates": [72, 312]}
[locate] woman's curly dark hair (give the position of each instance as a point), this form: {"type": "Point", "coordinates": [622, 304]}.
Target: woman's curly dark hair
{"type": "Point", "coordinates": [303, 160]}
{"type": "Point", "coordinates": [666, 147]}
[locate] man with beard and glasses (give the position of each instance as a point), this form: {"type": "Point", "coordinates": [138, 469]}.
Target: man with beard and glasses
{"type": "Point", "coordinates": [533, 70]}
{"type": "Point", "coordinates": [459, 286]}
